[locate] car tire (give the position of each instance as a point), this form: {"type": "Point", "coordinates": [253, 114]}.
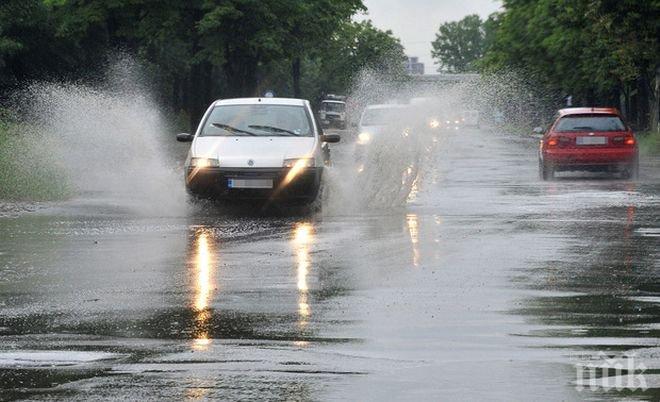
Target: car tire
{"type": "Point", "coordinates": [546, 171]}
{"type": "Point", "coordinates": [316, 204]}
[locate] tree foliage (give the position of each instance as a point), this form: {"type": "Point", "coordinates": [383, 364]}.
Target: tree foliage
{"type": "Point", "coordinates": [459, 44]}
{"type": "Point", "coordinates": [23, 26]}
{"type": "Point", "coordinates": [602, 52]}
{"type": "Point", "coordinates": [195, 51]}
{"type": "Point", "coordinates": [354, 47]}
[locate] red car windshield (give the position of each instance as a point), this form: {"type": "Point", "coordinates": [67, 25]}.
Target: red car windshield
{"type": "Point", "coordinates": [599, 122]}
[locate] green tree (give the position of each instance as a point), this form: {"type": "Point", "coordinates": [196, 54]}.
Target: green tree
{"type": "Point", "coordinates": [259, 35]}
{"type": "Point", "coordinates": [459, 44]}
{"type": "Point", "coordinates": [628, 34]}
{"type": "Point", "coordinates": [599, 51]}
{"type": "Point", "coordinates": [23, 53]}
{"type": "Point", "coordinates": [198, 50]}
{"type": "Point", "coordinates": [182, 65]}
{"type": "Point", "coordinates": [311, 27]}
{"type": "Point", "coordinates": [337, 61]}
{"type": "Point", "coordinates": [357, 46]}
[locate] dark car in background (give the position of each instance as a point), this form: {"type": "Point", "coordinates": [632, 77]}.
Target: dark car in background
{"type": "Point", "coordinates": [332, 112]}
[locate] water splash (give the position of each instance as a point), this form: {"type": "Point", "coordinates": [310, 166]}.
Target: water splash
{"type": "Point", "coordinates": [110, 139]}
{"type": "Point", "coordinates": [403, 155]}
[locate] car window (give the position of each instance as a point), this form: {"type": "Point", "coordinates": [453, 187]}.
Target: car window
{"type": "Point", "coordinates": [258, 120]}
{"type": "Point", "coordinates": [333, 107]}
{"type": "Point", "coordinates": [590, 123]}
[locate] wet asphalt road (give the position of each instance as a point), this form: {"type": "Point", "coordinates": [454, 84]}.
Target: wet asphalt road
{"type": "Point", "coordinates": [490, 284]}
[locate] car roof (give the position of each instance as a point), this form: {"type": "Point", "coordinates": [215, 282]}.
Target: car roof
{"type": "Point", "coordinates": [422, 99]}
{"type": "Point", "coordinates": [333, 101]}
{"type": "Point", "coordinates": [264, 101]}
{"type": "Point", "coordinates": [588, 110]}
{"type": "Point", "coordinates": [387, 106]}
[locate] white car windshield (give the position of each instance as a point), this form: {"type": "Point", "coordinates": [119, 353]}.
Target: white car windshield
{"type": "Point", "coordinates": [258, 121]}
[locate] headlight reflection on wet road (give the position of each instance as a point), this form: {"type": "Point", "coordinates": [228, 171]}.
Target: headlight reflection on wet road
{"type": "Point", "coordinates": [203, 288]}
{"type": "Point", "coordinates": [414, 190]}
{"type": "Point", "coordinates": [413, 228]}
{"type": "Point", "coordinates": [198, 390]}
{"type": "Point", "coordinates": [303, 237]}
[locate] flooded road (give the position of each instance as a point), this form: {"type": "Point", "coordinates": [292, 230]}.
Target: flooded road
{"type": "Point", "coordinates": [489, 284]}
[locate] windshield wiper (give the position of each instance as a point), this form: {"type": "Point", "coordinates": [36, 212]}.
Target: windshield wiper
{"type": "Point", "coordinates": [275, 129]}
{"type": "Point", "coordinates": [233, 129]}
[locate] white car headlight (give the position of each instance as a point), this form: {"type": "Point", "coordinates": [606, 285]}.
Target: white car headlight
{"type": "Point", "coordinates": [298, 163]}
{"type": "Point", "coordinates": [204, 162]}
{"type": "Point", "coordinates": [364, 138]}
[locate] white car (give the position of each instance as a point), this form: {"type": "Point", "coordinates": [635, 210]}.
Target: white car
{"type": "Point", "coordinates": [375, 120]}
{"type": "Point", "coordinates": [470, 118]}
{"type": "Point", "coordinates": [257, 148]}
{"type": "Point", "coordinates": [428, 110]}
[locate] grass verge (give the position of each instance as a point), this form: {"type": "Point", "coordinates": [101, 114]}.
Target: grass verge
{"type": "Point", "coordinates": [26, 170]}
{"type": "Point", "coordinates": [649, 143]}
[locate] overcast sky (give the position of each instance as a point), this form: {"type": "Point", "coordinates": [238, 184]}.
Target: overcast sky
{"type": "Point", "coordinates": [416, 22]}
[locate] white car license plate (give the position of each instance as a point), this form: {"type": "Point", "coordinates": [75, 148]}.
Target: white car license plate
{"type": "Point", "coordinates": [591, 140]}
{"type": "Point", "coordinates": [250, 183]}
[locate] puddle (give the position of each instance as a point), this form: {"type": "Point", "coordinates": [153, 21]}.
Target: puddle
{"type": "Point", "coordinates": [54, 358]}
{"type": "Point", "coordinates": [648, 232]}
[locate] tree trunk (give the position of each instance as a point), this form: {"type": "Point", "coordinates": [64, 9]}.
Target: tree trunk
{"type": "Point", "coordinates": [654, 102]}
{"type": "Point", "coordinates": [194, 96]}
{"type": "Point", "coordinates": [295, 75]}
{"type": "Point", "coordinates": [186, 99]}
{"type": "Point", "coordinates": [614, 97]}
{"type": "Point", "coordinates": [250, 80]}
{"type": "Point", "coordinates": [623, 102]}
{"type": "Point", "coordinates": [643, 103]}
{"type": "Point", "coordinates": [241, 76]}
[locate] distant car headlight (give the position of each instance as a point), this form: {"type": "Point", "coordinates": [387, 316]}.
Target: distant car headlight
{"type": "Point", "coordinates": [434, 123]}
{"type": "Point", "coordinates": [364, 138]}
{"type": "Point", "coordinates": [298, 163]}
{"type": "Point", "coordinates": [204, 162]}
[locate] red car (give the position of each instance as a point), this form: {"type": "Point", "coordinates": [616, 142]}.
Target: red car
{"type": "Point", "coordinates": [590, 139]}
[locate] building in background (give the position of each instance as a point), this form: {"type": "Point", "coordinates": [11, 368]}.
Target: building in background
{"type": "Point", "coordinates": [414, 67]}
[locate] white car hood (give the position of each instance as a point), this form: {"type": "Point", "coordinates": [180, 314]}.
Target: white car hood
{"type": "Point", "coordinates": [264, 152]}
